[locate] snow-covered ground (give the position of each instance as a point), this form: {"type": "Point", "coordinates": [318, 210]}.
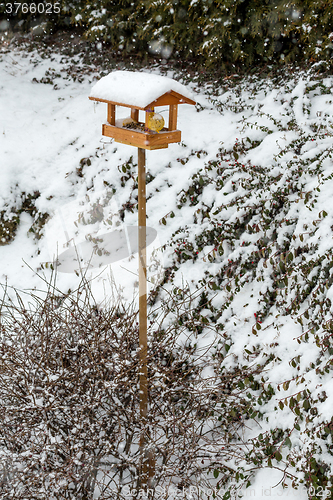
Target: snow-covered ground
{"type": "Point", "coordinates": [51, 143]}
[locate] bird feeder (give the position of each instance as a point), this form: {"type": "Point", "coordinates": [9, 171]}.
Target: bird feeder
{"type": "Point", "coordinates": [141, 92]}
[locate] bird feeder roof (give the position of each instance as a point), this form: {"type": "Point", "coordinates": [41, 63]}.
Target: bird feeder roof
{"type": "Point", "coordinates": [139, 90]}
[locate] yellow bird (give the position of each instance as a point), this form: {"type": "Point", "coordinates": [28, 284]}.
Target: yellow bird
{"type": "Point", "coordinates": [155, 121]}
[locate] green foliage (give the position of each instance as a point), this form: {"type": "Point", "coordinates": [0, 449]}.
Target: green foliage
{"type": "Point", "coordinates": [8, 226]}
{"type": "Point", "coordinates": [267, 250]}
{"type": "Point", "coordinates": [227, 32]}
{"type": "Point", "coordinates": [269, 239]}
{"type": "Point", "coordinates": [10, 218]}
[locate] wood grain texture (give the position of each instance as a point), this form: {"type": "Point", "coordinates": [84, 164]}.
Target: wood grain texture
{"type": "Point", "coordinates": [143, 371]}
{"type": "Point", "coordinates": [173, 111]}
{"type": "Point", "coordinates": [142, 139]}
{"type": "Point", "coordinates": [166, 99]}
{"type": "Point", "coordinates": [171, 97]}
{"type": "Point", "coordinates": [135, 114]}
{"type": "Point", "coordinates": [147, 113]}
{"type": "Point", "coordinates": [112, 114]}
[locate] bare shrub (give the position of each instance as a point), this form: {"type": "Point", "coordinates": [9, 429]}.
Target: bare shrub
{"type": "Point", "coordinates": [69, 402]}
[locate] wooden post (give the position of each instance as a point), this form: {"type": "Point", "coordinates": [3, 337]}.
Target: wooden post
{"type": "Point", "coordinates": [145, 472]}
{"type": "Point", "coordinates": [151, 110]}
{"type": "Point", "coordinates": [111, 114]}
{"type": "Point", "coordinates": [173, 109]}
{"type": "Point", "coordinates": [135, 114]}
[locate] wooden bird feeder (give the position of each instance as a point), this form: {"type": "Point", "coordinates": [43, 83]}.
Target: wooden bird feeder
{"type": "Point", "coordinates": [140, 92]}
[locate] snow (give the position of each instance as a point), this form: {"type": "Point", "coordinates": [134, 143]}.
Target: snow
{"type": "Point", "coordinates": [135, 88]}
{"type": "Point", "coordinates": [46, 132]}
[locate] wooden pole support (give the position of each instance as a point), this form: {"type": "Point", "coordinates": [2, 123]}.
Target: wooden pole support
{"type": "Point", "coordinates": [151, 110]}
{"type": "Point", "coordinates": [111, 114]}
{"type": "Point", "coordinates": [173, 111]}
{"type": "Point", "coordinates": [135, 114]}
{"type": "Point", "coordinates": [145, 469]}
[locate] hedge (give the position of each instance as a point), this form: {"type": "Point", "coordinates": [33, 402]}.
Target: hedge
{"type": "Point", "coordinates": [223, 32]}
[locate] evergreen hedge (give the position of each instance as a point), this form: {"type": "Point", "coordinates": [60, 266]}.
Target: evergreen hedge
{"type": "Point", "coordinates": [223, 32]}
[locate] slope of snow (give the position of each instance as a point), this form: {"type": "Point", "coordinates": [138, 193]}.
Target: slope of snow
{"type": "Point", "coordinates": [51, 143]}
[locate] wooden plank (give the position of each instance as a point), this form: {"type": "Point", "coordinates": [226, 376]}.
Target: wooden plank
{"type": "Point", "coordinates": [173, 109]}
{"type": "Point", "coordinates": [135, 144]}
{"type": "Point", "coordinates": [165, 138]}
{"type": "Point", "coordinates": [116, 103]}
{"type": "Point", "coordinates": [143, 371]}
{"type": "Point", "coordinates": [141, 139]}
{"type": "Point", "coordinates": [123, 134]}
{"type": "Point", "coordinates": [111, 114]}
{"type": "Point", "coordinates": [164, 100]}
{"type": "Point", "coordinates": [135, 114]}
{"type": "Point", "coordinates": [171, 97]}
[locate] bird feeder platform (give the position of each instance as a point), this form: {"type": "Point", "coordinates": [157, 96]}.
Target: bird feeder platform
{"type": "Point", "coordinates": [140, 92]}
{"type": "Point", "coordinates": [142, 139]}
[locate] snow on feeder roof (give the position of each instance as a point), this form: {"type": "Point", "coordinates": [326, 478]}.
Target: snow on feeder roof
{"type": "Point", "coordinates": [141, 92]}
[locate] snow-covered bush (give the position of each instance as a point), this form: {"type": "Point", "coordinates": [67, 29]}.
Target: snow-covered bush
{"type": "Point", "coordinates": [69, 394]}
{"type": "Point", "coordinates": [227, 32]}
{"type": "Point", "coordinates": [10, 218]}
{"type": "Point", "coordinates": [261, 237]}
